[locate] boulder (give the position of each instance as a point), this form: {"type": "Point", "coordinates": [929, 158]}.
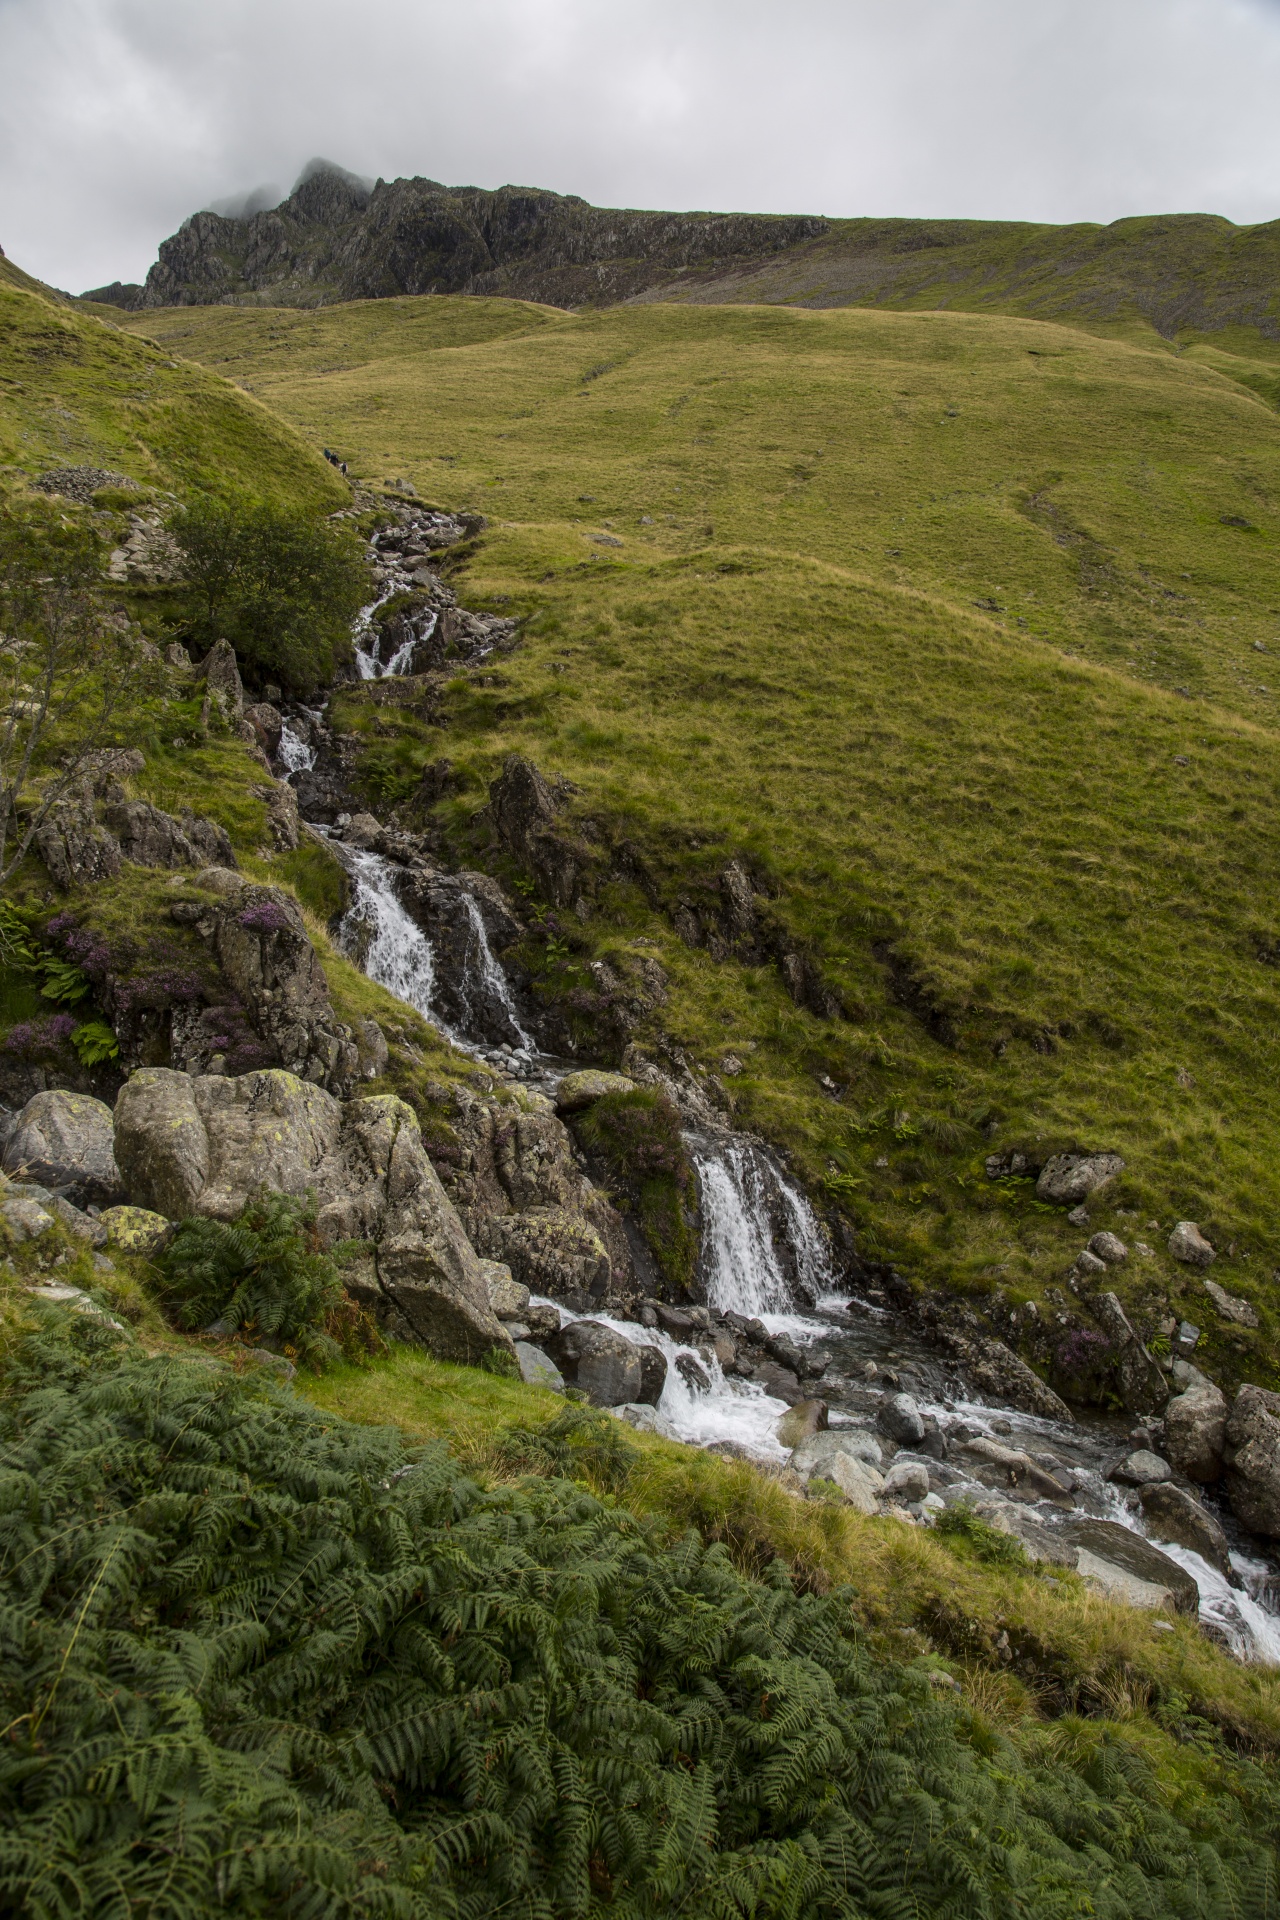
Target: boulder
{"type": "Point", "coordinates": [65, 1140]}
{"type": "Point", "coordinates": [814, 1455]}
{"type": "Point", "coordinates": [1109, 1248]}
{"type": "Point", "coordinates": [1252, 1456]}
{"type": "Point", "coordinates": [75, 849]}
{"type": "Point", "coordinates": [778, 1382]}
{"type": "Point", "coordinates": [1188, 1244]}
{"type": "Point", "coordinates": [1141, 1468]}
{"type": "Point", "coordinates": [220, 672]}
{"type": "Point", "coordinates": [801, 1422]}
{"type": "Point", "coordinates": [599, 1360]}
{"type": "Point", "coordinates": [135, 1230]}
{"type": "Point", "coordinates": [537, 1369]}
{"type": "Point", "coordinates": [901, 1419]}
{"type": "Point", "coordinates": [1128, 1568]}
{"type": "Point", "coordinates": [1173, 1514]}
{"type": "Point", "coordinates": [1015, 1468]}
{"type": "Point", "coordinates": [549, 1250]}
{"type": "Point", "coordinates": [579, 1090]}
{"type": "Point", "coordinates": [858, 1482]}
{"type": "Point", "coordinates": [206, 1144]}
{"type": "Point", "coordinates": [267, 725]}
{"type": "Point", "coordinates": [23, 1218]}
{"type": "Point", "coordinates": [653, 1375]}
{"type": "Point", "coordinates": [507, 1296]}
{"type": "Point", "coordinates": [694, 1376]}
{"type": "Point", "coordinates": [906, 1480]}
{"type": "Point", "coordinates": [1068, 1178]}
{"type": "Point", "coordinates": [1141, 1380]}
{"type": "Point", "coordinates": [1242, 1312]}
{"type": "Point", "coordinates": [998, 1373]}
{"type": "Point", "coordinates": [1195, 1429]}
{"type": "Point", "coordinates": [644, 1419]}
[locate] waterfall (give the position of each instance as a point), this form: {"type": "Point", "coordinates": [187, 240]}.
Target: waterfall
{"type": "Point", "coordinates": [367, 641]}
{"type": "Point", "coordinates": [382, 938]}
{"type": "Point", "coordinates": [493, 981]}
{"type": "Point", "coordinates": [741, 1192]}
{"type": "Point", "coordinates": [293, 753]}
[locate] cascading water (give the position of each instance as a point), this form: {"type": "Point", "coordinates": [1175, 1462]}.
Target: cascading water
{"type": "Point", "coordinates": [740, 1187]}
{"type": "Point", "coordinates": [377, 932]}
{"type": "Point", "coordinates": [295, 754]}
{"type": "Point", "coordinates": [493, 982]}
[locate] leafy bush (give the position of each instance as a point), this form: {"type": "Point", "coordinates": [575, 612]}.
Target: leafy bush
{"type": "Point", "coordinates": [257, 1660]}
{"type": "Point", "coordinates": [265, 1274]}
{"type": "Point", "coordinates": [282, 587]}
{"type": "Point", "coordinates": [637, 1136]}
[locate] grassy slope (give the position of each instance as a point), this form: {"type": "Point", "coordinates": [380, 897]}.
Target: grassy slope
{"type": "Point", "coordinates": [789, 662]}
{"type": "Point", "coordinates": [74, 390]}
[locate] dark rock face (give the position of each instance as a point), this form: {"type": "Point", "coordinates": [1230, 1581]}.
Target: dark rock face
{"type": "Point", "coordinates": [1174, 1514]}
{"type": "Point", "coordinates": [525, 811]}
{"type": "Point", "coordinates": [602, 1362]}
{"type": "Point", "coordinates": [332, 239]}
{"type": "Point", "coordinates": [461, 913]}
{"type": "Point", "coordinates": [89, 834]}
{"type": "Point", "coordinates": [1253, 1460]}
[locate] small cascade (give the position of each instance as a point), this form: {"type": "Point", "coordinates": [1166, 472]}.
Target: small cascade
{"type": "Point", "coordinates": [494, 987]}
{"type": "Point", "coordinates": [382, 938]}
{"type": "Point", "coordinates": [745, 1201]}
{"type": "Point", "coordinates": [294, 753]}
{"type": "Point", "coordinates": [366, 639]}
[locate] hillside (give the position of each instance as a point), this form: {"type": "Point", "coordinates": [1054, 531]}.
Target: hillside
{"type": "Point", "coordinates": [1181, 276]}
{"type": "Point", "coordinates": [955, 628]}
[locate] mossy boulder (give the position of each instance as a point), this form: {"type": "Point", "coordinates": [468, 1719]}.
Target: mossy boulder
{"type": "Point", "coordinates": [135, 1229]}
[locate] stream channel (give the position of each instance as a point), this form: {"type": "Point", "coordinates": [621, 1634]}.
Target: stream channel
{"type": "Point", "coordinates": [758, 1228]}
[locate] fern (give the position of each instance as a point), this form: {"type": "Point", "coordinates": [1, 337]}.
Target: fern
{"type": "Point", "coordinates": [263, 1274]}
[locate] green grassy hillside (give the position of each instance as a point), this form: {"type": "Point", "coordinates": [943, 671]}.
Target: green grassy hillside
{"type": "Point", "coordinates": [961, 630]}
{"type": "Point", "coordinates": [75, 391]}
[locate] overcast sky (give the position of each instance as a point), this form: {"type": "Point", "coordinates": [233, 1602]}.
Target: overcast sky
{"type": "Point", "coordinates": [121, 117]}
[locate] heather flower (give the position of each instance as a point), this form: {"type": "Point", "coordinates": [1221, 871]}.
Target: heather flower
{"type": "Point", "coordinates": [265, 917]}
{"type": "Point", "coordinates": [32, 1039]}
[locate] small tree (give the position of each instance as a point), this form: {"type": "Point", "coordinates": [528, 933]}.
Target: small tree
{"type": "Point", "coordinates": [283, 588]}
{"type": "Point", "coordinates": [70, 681]}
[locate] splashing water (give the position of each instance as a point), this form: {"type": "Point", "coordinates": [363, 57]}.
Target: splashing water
{"type": "Point", "coordinates": [740, 1187]}
{"type": "Point", "coordinates": [366, 640]}
{"type": "Point", "coordinates": [293, 753]}
{"type": "Point", "coordinates": [396, 952]}
{"type": "Point", "coordinates": [493, 981]}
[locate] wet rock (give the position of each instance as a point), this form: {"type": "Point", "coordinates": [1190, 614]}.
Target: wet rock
{"type": "Point", "coordinates": [934, 1443]}
{"type": "Point", "coordinates": [778, 1382]}
{"type": "Point", "coordinates": [906, 1480]}
{"type": "Point", "coordinates": [653, 1375]}
{"type": "Point", "coordinates": [801, 1422]}
{"type": "Point", "coordinates": [1174, 1514]}
{"type": "Point", "coordinates": [135, 1229]}
{"type": "Point", "coordinates": [1068, 1178]}
{"type": "Point", "coordinates": [1015, 1468]}
{"type": "Point", "coordinates": [537, 1369]}
{"type": "Point", "coordinates": [1188, 1244]}
{"type": "Point", "coordinates": [1195, 1428]}
{"type": "Point", "coordinates": [1128, 1568]}
{"type": "Point", "coordinates": [599, 1360]}
{"type": "Point", "coordinates": [1252, 1457]}
{"type": "Point", "coordinates": [267, 725]}
{"type": "Point", "coordinates": [1140, 1469]}
{"type": "Point", "coordinates": [901, 1419]}
{"type": "Point", "coordinates": [995, 1370]}
{"type": "Point", "coordinates": [508, 1297]}
{"type": "Point", "coordinates": [1109, 1248]}
{"type": "Point", "coordinates": [65, 1140]}
{"type": "Point", "coordinates": [580, 1090]}
{"type": "Point", "coordinates": [1242, 1312]}
{"type": "Point", "coordinates": [694, 1376]}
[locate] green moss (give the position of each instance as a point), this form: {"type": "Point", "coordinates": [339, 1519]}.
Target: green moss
{"type": "Point", "coordinates": [637, 1137]}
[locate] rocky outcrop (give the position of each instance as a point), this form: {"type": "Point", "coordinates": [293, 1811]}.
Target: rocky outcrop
{"type": "Point", "coordinates": [1125, 1567]}
{"type": "Point", "coordinates": [266, 957]}
{"type": "Point", "coordinates": [220, 671]}
{"type": "Point", "coordinates": [603, 1363]}
{"type": "Point", "coordinates": [526, 812]}
{"type": "Point", "coordinates": [1252, 1456]}
{"type": "Point", "coordinates": [1171, 1513]}
{"type": "Point", "coordinates": [337, 238]}
{"type": "Point", "coordinates": [1138, 1375]}
{"type": "Point", "coordinates": [205, 1145]}
{"type": "Point", "coordinates": [992, 1366]}
{"type": "Point", "coordinates": [578, 1091]}
{"type": "Point", "coordinates": [90, 833]}
{"type": "Point", "coordinates": [469, 920]}
{"type": "Point", "coordinates": [64, 1141]}
{"type": "Point", "coordinates": [525, 1201]}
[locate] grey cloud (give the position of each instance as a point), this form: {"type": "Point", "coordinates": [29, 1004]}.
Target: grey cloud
{"type": "Point", "coordinates": [123, 116]}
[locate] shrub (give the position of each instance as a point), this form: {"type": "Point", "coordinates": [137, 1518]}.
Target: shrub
{"type": "Point", "coordinates": [264, 1275]}
{"type": "Point", "coordinates": [257, 1660]}
{"type": "Point", "coordinates": [637, 1136]}
{"type": "Point", "coordinates": [961, 1522]}
{"type": "Point", "coordinates": [282, 587]}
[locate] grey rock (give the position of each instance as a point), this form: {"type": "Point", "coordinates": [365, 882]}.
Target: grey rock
{"type": "Point", "coordinates": [1143, 1386]}
{"type": "Point", "coordinates": [220, 672]}
{"type": "Point", "coordinates": [653, 1375]}
{"type": "Point", "coordinates": [778, 1382]}
{"type": "Point", "coordinates": [267, 724]}
{"type": "Point", "coordinates": [508, 1297]}
{"type": "Point", "coordinates": [694, 1376]}
{"type": "Point", "coordinates": [801, 1422]}
{"type": "Point", "coordinates": [1128, 1568]}
{"type": "Point", "coordinates": [543, 1321]}
{"type": "Point", "coordinates": [1012, 1467]}
{"type": "Point", "coordinates": [1140, 1469]}
{"type": "Point", "coordinates": [1079, 1216]}
{"type": "Point", "coordinates": [1110, 1248]}
{"type": "Point", "coordinates": [23, 1219]}
{"type": "Point", "coordinates": [906, 1480]}
{"type": "Point", "coordinates": [599, 1360]}
{"type": "Point", "coordinates": [537, 1369]}
{"type": "Point", "coordinates": [57, 1293]}
{"type": "Point", "coordinates": [580, 1090]}
{"type": "Point", "coordinates": [65, 1140]}
{"type": "Point", "coordinates": [1068, 1178]}
{"type": "Point", "coordinates": [1252, 1456]}
{"type": "Point", "coordinates": [644, 1418]}
{"type": "Point", "coordinates": [1195, 1427]}
{"type": "Point", "coordinates": [1088, 1262]}
{"type": "Point", "coordinates": [848, 1457]}
{"type": "Point", "coordinates": [550, 1250]}
{"type": "Point", "coordinates": [1173, 1514]}
{"type": "Point", "coordinates": [1188, 1244]}
{"type": "Point", "coordinates": [1242, 1312]}
{"type": "Point", "coordinates": [269, 962]}
{"type": "Point", "coordinates": [901, 1419]}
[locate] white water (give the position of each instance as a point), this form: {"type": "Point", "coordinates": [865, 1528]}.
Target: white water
{"type": "Point", "coordinates": [493, 980]}
{"type": "Point", "coordinates": [743, 1271]}
{"type": "Point", "coordinates": [398, 955]}
{"type": "Point", "coordinates": [294, 754]}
